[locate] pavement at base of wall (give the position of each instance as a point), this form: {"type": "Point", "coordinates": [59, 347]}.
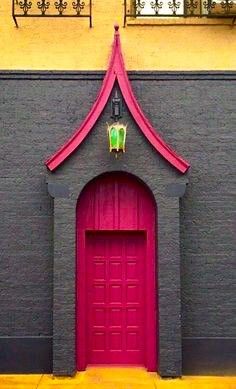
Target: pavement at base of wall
{"type": "Point", "coordinates": [113, 378]}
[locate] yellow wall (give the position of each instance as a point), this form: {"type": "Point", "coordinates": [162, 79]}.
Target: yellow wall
{"type": "Point", "coordinates": [69, 44]}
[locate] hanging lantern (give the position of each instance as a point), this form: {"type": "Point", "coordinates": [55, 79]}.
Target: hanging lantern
{"type": "Point", "coordinates": [117, 137]}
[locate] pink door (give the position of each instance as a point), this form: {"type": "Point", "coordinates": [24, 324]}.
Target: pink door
{"type": "Point", "coordinates": [116, 273]}
{"type": "Point", "coordinates": [116, 298]}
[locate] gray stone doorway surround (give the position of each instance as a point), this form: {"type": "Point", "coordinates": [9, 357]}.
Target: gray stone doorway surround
{"type": "Point", "coordinates": [168, 253]}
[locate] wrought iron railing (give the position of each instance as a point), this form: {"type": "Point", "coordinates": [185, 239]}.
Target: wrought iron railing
{"type": "Point", "coordinates": [52, 9]}
{"type": "Point", "coordinates": [179, 8]}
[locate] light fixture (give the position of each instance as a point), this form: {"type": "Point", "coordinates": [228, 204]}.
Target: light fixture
{"type": "Point", "coordinates": [117, 137]}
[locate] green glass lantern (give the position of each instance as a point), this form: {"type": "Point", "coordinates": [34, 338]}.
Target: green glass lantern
{"type": "Point", "coordinates": [117, 137]}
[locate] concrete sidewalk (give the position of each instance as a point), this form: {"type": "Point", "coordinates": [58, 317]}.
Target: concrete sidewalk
{"type": "Point", "coordinates": [114, 378]}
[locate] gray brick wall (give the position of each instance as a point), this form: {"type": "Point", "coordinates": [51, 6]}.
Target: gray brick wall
{"type": "Point", "coordinates": [31, 114]}
{"type": "Point", "coordinates": [196, 117]}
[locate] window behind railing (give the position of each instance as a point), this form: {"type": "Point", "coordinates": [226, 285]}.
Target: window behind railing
{"type": "Point", "coordinates": [178, 8]}
{"type": "Point", "coordinates": [52, 9]}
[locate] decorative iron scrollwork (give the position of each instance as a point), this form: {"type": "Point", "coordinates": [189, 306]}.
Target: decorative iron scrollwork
{"type": "Point", "coordinates": [25, 6]}
{"type": "Point", "coordinates": [139, 5]}
{"type": "Point", "coordinates": [178, 8]}
{"type": "Point", "coordinates": [78, 6]}
{"type": "Point", "coordinates": [227, 6]}
{"type": "Point", "coordinates": [60, 6]}
{"type": "Point", "coordinates": [191, 6]}
{"type": "Point", "coordinates": [156, 6]}
{"type": "Point", "coordinates": [43, 5]}
{"type": "Point", "coordinates": [174, 6]}
{"type": "Point", "coordinates": [209, 5]}
{"type": "Point", "coordinates": [36, 8]}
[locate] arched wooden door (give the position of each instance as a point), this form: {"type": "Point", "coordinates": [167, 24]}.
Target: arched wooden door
{"type": "Point", "coordinates": [116, 278]}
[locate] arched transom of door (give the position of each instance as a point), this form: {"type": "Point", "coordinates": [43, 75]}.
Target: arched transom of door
{"type": "Point", "coordinates": [116, 273]}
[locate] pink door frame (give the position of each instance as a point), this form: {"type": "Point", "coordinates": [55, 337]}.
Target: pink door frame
{"type": "Point", "coordinates": [117, 202]}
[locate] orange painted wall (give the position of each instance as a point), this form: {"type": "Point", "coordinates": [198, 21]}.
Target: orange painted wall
{"type": "Point", "coordinates": [69, 44]}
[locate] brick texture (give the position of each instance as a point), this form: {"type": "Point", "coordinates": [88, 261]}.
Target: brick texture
{"type": "Point", "coordinates": [197, 118]}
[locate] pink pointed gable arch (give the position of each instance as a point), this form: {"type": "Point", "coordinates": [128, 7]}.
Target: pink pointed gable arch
{"type": "Point", "coordinates": [116, 71]}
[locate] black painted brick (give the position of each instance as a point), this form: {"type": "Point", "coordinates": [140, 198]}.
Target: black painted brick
{"type": "Point", "coordinates": [196, 117]}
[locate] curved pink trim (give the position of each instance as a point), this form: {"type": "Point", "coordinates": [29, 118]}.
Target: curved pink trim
{"type": "Point", "coordinates": [116, 70]}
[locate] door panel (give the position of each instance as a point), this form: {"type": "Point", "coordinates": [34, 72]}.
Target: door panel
{"type": "Point", "coordinates": [116, 297]}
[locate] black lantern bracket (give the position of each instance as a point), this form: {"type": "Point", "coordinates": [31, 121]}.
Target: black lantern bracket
{"type": "Point", "coordinates": [116, 107]}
